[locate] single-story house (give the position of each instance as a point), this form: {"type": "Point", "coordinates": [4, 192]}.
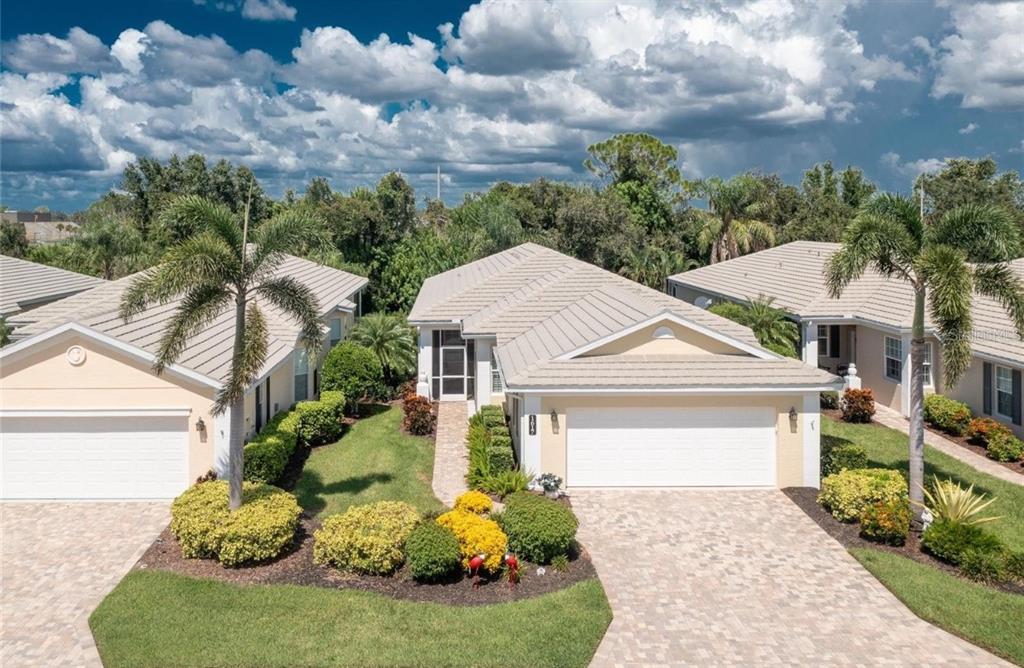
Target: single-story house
{"type": "Point", "coordinates": [867, 331]}
{"type": "Point", "coordinates": [609, 383]}
{"type": "Point", "coordinates": [83, 415]}
{"type": "Point", "coordinates": [28, 285]}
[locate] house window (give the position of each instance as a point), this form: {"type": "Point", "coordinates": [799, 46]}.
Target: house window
{"type": "Point", "coordinates": [926, 365]}
{"type": "Point", "coordinates": [496, 387]}
{"type": "Point", "coordinates": [893, 358]}
{"type": "Point", "coordinates": [823, 339]}
{"type": "Point", "coordinates": [1004, 392]}
{"type": "Point", "coordinates": [335, 335]}
{"type": "Point", "coordinates": [301, 376]}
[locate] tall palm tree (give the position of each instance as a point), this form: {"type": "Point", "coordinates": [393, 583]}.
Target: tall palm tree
{"type": "Point", "coordinates": [945, 261]}
{"type": "Point", "coordinates": [771, 326]}
{"type": "Point", "coordinates": [391, 339]}
{"type": "Point", "coordinates": [730, 227]}
{"type": "Point", "coordinates": [226, 265]}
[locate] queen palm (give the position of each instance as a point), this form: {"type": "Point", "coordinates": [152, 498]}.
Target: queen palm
{"type": "Point", "coordinates": [226, 266]}
{"type": "Point", "coordinates": [945, 261]}
{"type": "Point", "coordinates": [771, 326]}
{"type": "Point", "coordinates": [390, 338]}
{"type": "Point", "coordinates": [730, 227]}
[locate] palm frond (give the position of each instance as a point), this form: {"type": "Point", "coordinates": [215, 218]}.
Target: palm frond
{"type": "Point", "coordinates": [202, 214]}
{"type": "Point", "coordinates": [949, 279]}
{"type": "Point", "coordinates": [297, 301]}
{"type": "Point", "coordinates": [291, 231]}
{"type": "Point", "coordinates": [246, 362]}
{"type": "Point", "coordinates": [1001, 283]}
{"type": "Point", "coordinates": [986, 233]}
{"type": "Point", "coordinates": [901, 210]}
{"type": "Point", "coordinates": [871, 240]}
{"type": "Point", "coordinates": [199, 308]}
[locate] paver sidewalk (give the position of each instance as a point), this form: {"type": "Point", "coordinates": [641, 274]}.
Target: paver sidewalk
{"type": "Point", "coordinates": [892, 419]}
{"type": "Point", "coordinates": [450, 459]}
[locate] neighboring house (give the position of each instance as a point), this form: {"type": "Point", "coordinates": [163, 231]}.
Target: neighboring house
{"type": "Point", "coordinates": [610, 383]}
{"type": "Point", "coordinates": [83, 415]}
{"type": "Point", "coordinates": [868, 329]}
{"type": "Point", "coordinates": [28, 285]}
{"type": "Point", "coordinates": [49, 232]}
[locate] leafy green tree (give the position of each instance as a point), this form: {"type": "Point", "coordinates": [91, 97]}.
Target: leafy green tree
{"type": "Point", "coordinates": [635, 157]}
{"type": "Point", "coordinates": [355, 371]}
{"type": "Point", "coordinates": [963, 251]}
{"type": "Point", "coordinates": [13, 241]}
{"type": "Point", "coordinates": [591, 226]}
{"type": "Point", "coordinates": [731, 226]}
{"type": "Point", "coordinates": [964, 181]}
{"type": "Point", "coordinates": [651, 265]}
{"type": "Point", "coordinates": [419, 256]}
{"type": "Point", "coordinates": [112, 248]}
{"type": "Point", "coordinates": [227, 266]}
{"type": "Point", "coordinates": [773, 329]}
{"type": "Point", "coordinates": [828, 203]}
{"type": "Point", "coordinates": [392, 341]}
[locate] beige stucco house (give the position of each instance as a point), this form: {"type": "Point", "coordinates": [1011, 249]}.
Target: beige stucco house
{"type": "Point", "coordinates": [609, 383]}
{"type": "Point", "coordinates": [867, 331]}
{"type": "Point", "coordinates": [83, 415]}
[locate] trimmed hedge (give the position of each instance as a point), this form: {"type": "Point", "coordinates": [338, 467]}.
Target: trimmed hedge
{"type": "Point", "coordinates": [949, 415]}
{"type": "Point", "coordinates": [310, 422]}
{"type": "Point", "coordinates": [320, 421]}
{"type": "Point", "coordinates": [491, 458]}
{"type": "Point", "coordinates": [538, 528]}
{"type": "Point", "coordinates": [848, 493]}
{"type": "Point", "coordinates": [366, 539]}
{"type": "Point", "coordinates": [950, 541]}
{"type": "Point", "coordinates": [261, 529]}
{"type": "Point", "coordinates": [432, 552]}
{"type": "Point", "coordinates": [839, 455]}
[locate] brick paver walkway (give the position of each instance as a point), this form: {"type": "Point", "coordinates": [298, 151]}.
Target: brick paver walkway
{"type": "Point", "coordinates": [743, 578]}
{"type": "Point", "coordinates": [450, 459]}
{"type": "Point", "coordinates": [892, 419]}
{"type": "Point", "coordinates": [59, 561]}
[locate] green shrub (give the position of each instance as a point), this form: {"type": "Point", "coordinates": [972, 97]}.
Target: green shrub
{"type": "Point", "coordinates": [947, 414]}
{"type": "Point", "coordinates": [493, 420]}
{"type": "Point", "coordinates": [839, 454]}
{"type": "Point", "coordinates": [1015, 566]}
{"type": "Point", "coordinates": [560, 563]}
{"type": "Point", "coordinates": [499, 458]}
{"type": "Point", "coordinates": [1005, 447]}
{"type": "Point", "coordinates": [477, 441]}
{"type": "Point", "coordinates": [886, 522]}
{"type": "Point", "coordinates": [950, 540]}
{"type": "Point", "coordinates": [984, 566]}
{"type": "Point", "coordinates": [261, 529]}
{"type": "Point", "coordinates": [419, 415]}
{"type": "Point", "coordinates": [319, 422]}
{"type": "Point", "coordinates": [857, 405]}
{"type": "Point", "coordinates": [538, 528]}
{"type": "Point", "coordinates": [501, 431]}
{"type": "Point", "coordinates": [366, 539]}
{"type": "Point", "coordinates": [266, 456]}
{"type": "Point", "coordinates": [505, 483]}
{"type": "Point", "coordinates": [353, 370]}
{"type": "Point", "coordinates": [829, 400]}
{"type": "Point", "coordinates": [980, 430]}
{"type": "Point", "coordinates": [492, 409]}
{"type": "Point", "coordinates": [846, 494]}
{"type": "Point", "coordinates": [432, 552]}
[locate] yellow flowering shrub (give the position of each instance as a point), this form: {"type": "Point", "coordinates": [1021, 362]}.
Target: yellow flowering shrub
{"type": "Point", "coordinates": [474, 502]}
{"type": "Point", "coordinates": [848, 493]}
{"type": "Point", "coordinates": [476, 535]}
{"type": "Point", "coordinates": [366, 539]}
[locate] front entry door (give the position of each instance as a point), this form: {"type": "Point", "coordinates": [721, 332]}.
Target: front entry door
{"type": "Point", "coordinates": [453, 373]}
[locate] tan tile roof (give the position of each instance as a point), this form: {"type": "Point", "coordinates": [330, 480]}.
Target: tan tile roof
{"type": "Point", "coordinates": [209, 351]}
{"type": "Point", "coordinates": [794, 275]}
{"type": "Point", "coordinates": [540, 304]}
{"type": "Point", "coordinates": [25, 284]}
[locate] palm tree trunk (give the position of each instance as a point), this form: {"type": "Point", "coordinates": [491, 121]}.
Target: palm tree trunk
{"type": "Point", "coordinates": [916, 412]}
{"type": "Point", "coordinates": [237, 427]}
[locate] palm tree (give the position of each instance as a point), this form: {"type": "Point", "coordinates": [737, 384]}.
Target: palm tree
{"type": "Point", "coordinates": [944, 261]}
{"type": "Point", "coordinates": [391, 339]}
{"type": "Point", "coordinates": [651, 265]}
{"type": "Point", "coordinates": [226, 265]}
{"type": "Point", "coordinates": [112, 247]}
{"type": "Point", "coordinates": [771, 326]}
{"type": "Point", "coordinates": [730, 228]}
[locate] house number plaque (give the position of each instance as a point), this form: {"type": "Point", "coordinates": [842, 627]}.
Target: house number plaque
{"type": "Point", "coordinates": [533, 425]}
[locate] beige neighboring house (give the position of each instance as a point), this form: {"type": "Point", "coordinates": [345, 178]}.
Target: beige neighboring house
{"type": "Point", "coordinates": [83, 415]}
{"type": "Point", "coordinates": [28, 285]}
{"type": "Point", "coordinates": [611, 384]}
{"type": "Point", "coordinates": [866, 333]}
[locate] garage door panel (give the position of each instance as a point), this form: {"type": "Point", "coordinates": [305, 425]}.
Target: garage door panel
{"type": "Point", "coordinates": [93, 457]}
{"type": "Point", "coordinates": [661, 447]}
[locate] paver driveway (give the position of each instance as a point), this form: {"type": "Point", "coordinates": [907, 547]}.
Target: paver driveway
{"type": "Point", "coordinates": [59, 561]}
{"type": "Point", "coordinates": [744, 578]}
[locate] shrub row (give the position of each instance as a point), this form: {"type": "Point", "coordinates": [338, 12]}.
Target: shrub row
{"type": "Point", "coordinates": [954, 417]}
{"type": "Point", "coordinates": [492, 465]}
{"type": "Point", "coordinates": [310, 423]}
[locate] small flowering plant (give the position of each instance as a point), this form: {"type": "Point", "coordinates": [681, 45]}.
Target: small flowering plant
{"type": "Point", "coordinates": [549, 482]}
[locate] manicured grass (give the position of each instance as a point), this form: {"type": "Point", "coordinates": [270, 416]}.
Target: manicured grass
{"type": "Point", "coordinates": [888, 448]}
{"type": "Point", "coordinates": [163, 619]}
{"type": "Point", "coordinates": [374, 461]}
{"type": "Point", "coordinates": [986, 617]}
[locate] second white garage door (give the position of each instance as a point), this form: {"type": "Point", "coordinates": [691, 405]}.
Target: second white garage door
{"type": "Point", "coordinates": [112, 457]}
{"type": "Point", "coordinates": [677, 447]}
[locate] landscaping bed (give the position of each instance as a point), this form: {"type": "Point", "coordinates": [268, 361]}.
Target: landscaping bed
{"type": "Point", "coordinates": [981, 450]}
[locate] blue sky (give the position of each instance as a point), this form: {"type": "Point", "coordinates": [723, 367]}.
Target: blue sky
{"type": "Point", "coordinates": [509, 89]}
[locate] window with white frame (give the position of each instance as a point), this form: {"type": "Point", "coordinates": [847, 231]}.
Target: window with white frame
{"type": "Point", "coordinates": [823, 339]}
{"type": "Point", "coordinates": [301, 376]}
{"type": "Point", "coordinates": [496, 387]}
{"type": "Point", "coordinates": [926, 365]}
{"type": "Point", "coordinates": [335, 334]}
{"type": "Point", "coordinates": [893, 358]}
{"type": "Point", "coordinates": [1004, 392]}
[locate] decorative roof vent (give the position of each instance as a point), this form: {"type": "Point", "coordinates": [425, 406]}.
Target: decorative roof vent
{"type": "Point", "coordinates": [663, 333]}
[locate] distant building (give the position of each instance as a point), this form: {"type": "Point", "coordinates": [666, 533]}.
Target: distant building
{"type": "Point", "coordinates": [27, 216]}
{"type": "Point", "coordinates": [40, 227]}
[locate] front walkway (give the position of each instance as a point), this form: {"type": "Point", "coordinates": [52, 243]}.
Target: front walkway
{"type": "Point", "coordinates": [744, 578]}
{"type": "Point", "coordinates": [892, 419]}
{"type": "Point", "coordinates": [450, 459]}
{"type": "Point", "coordinates": [59, 561]}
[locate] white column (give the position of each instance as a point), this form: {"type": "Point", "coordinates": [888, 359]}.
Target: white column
{"type": "Point", "coordinates": [483, 372]}
{"type": "Point", "coordinates": [426, 342]}
{"type": "Point", "coordinates": [905, 377]}
{"type": "Point", "coordinates": [221, 433]}
{"type": "Point", "coordinates": [531, 442]}
{"type": "Point", "coordinates": [810, 352]}
{"type": "Point", "coordinates": [811, 427]}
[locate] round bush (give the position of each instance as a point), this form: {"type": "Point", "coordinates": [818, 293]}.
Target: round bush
{"type": "Point", "coordinates": [857, 405]}
{"type": "Point", "coordinates": [366, 539]}
{"type": "Point", "coordinates": [949, 540]}
{"type": "Point", "coordinates": [949, 415]}
{"type": "Point", "coordinates": [432, 552]}
{"type": "Point", "coordinates": [354, 370]}
{"type": "Point", "coordinates": [261, 529]}
{"type": "Point", "coordinates": [846, 494]}
{"type": "Point", "coordinates": [538, 528]}
{"type": "Point", "coordinates": [474, 502]}
{"type": "Point", "coordinates": [1004, 447]}
{"type": "Point", "coordinates": [476, 536]}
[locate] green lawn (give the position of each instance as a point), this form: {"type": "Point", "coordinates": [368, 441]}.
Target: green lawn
{"type": "Point", "coordinates": [888, 448]}
{"type": "Point", "coordinates": [162, 619]}
{"type": "Point", "coordinates": [374, 461]}
{"type": "Point", "coordinates": [986, 617]}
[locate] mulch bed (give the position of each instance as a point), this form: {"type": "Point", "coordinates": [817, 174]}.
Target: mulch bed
{"type": "Point", "coordinates": [848, 535]}
{"type": "Point", "coordinates": [296, 567]}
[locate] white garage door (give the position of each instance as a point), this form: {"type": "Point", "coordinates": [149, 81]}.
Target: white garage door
{"type": "Point", "coordinates": [138, 457]}
{"type": "Point", "coordinates": [661, 447]}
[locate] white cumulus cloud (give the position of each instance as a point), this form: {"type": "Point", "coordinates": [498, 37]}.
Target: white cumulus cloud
{"type": "Point", "coordinates": [268, 10]}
